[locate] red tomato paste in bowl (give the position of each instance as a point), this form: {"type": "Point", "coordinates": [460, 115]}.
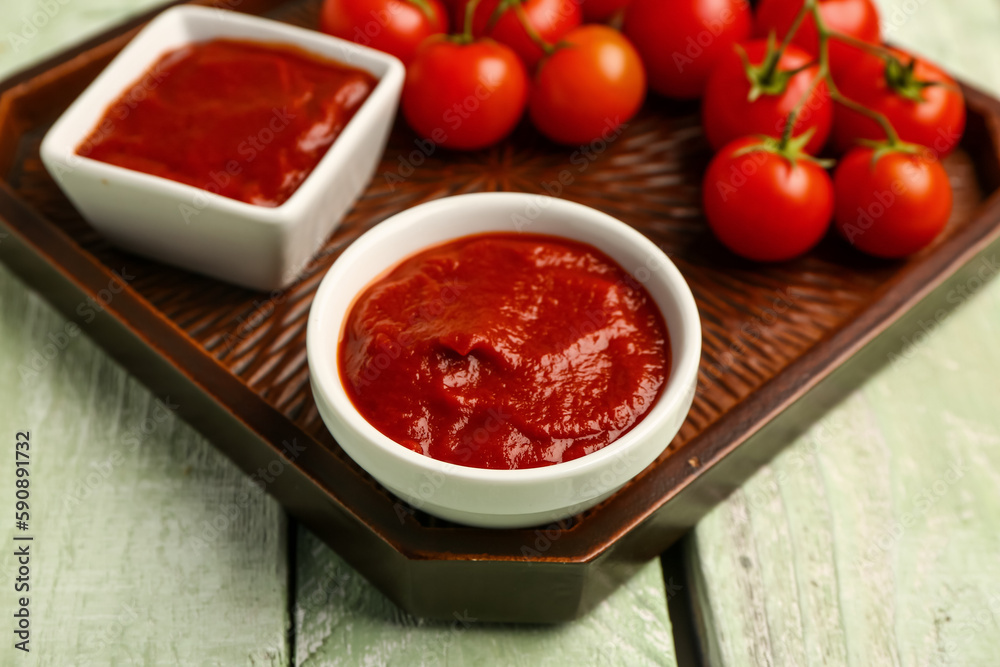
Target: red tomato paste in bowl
{"type": "Point", "coordinates": [505, 351]}
{"type": "Point", "coordinates": [244, 120]}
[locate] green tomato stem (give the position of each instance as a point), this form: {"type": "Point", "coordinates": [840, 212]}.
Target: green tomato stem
{"type": "Point", "coordinates": [824, 55]}
{"type": "Point", "coordinates": [424, 7]}
{"type": "Point", "coordinates": [786, 134]}
{"type": "Point", "coordinates": [825, 35]}
{"type": "Point", "coordinates": [786, 42]}
{"type": "Point", "coordinates": [890, 132]}
{"type": "Point", "coordinates": [792, 148]}
{"type": "Point", "coordinates": [522, 16]}
{"type": "Point", "coordinates": [470, 12]}
{"type": "Point", "coordinates": [876, 49]}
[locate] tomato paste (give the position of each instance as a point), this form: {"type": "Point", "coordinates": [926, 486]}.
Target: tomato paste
{"type": "Point", "coordinates": [505, 351]}
{"type": "Point", "coordinates": [245, 120]}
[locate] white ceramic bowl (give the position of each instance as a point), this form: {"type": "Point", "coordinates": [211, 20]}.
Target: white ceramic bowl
{"type": "Point", "coordinates": [501, 498]}
{"type": "Point", "coordinates": [254, 246]}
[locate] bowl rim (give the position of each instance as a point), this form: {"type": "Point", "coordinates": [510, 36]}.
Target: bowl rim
{"type": "Point", "coordinates": [313, 42]}
{"type": "Point", "coordinates": [324, 367]}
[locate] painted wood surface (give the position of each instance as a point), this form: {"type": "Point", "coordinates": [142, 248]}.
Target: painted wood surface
{"type": "Point", "coordinates": [150, 547]}
{"type": "Point", "coordinates": [340, 620]}
{"type": "Point", "coordinates": [875, 539]}
{"type": "Point", "coordinates": [144, 550]}
{"type": "Point", "coordinates": [31, 30]}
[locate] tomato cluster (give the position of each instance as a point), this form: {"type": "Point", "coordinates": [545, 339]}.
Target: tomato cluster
{"type": "Point", "coordinates": [816, 78]}
{"type": "Point", "coordinates": [474, 67]}
{"type": "Point", "coordinates": [778, 85]}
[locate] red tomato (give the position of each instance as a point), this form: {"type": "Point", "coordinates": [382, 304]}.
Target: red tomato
{"type": "Point", "coordinates": [762, 206]}
{"type": "Point", "coordinates": [728, 114]}
{"type": "Point", "coordinates": [936, 121]}
{"type": "Point", "coordinates": [587, 89]}
{"type": "Point", "coordinates": [891, 207]}
{"type": "Point", "coordinates": [681, 40]}
{"type": "Point", "coordinates": [599, 11]}
{"type": "Point", "coordinates": [857, 18]}
{"type": "Point", "coordinates": [394, 26]}
{"type": "Point", "coordinates": [464, 96]}
{"type": "Point", "coordinates": [551, 19]}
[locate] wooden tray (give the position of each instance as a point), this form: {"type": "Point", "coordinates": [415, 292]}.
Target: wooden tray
{"type": "Point", "coordinates": [234, 363]}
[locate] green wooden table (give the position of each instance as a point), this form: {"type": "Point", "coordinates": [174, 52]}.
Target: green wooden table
{"type": "Point", "coordinates": [874, 539]}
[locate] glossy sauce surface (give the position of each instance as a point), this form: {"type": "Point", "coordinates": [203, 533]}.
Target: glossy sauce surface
{"type": "Point", "coordinates": [245, 120]}
{"type": "Point", "coordinates": [505, 351]}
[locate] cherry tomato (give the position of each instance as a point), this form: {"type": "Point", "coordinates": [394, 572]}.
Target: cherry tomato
{"type": "Point", "coordinates": [857, 18]}
{"type": "Point", "coordinates": [891, 207]}
{"type": "Point", "coordinates": [937, 120]}
{"type": "Point", "coordinates": [394, 26]}
{"type": "Point", "coordinates": [551, 19]}
{"type": "Point", "coordinates": [681, 40]}
{"type": "Point", "coordinates": [588, 88]}
{"type": "Point", "coordinates": [727, 113]}
{"type": "Point", "coordinates": [464, 96]}
{"type": "Point", "coordinates": [762, 206]}
{"type": "Point", "coordinates": [600, 11]}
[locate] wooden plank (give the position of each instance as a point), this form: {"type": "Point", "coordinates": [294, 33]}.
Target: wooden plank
{"type": "Point", "coordinates": [873, 540]}
{"type": "Point", "coordinates": [150, 547]}
{"type": "Point", "coordinates": [342, 620]}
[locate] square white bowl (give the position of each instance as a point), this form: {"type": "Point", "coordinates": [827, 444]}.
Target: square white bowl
{"type": "Point", "coordinates": [253, 246]}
